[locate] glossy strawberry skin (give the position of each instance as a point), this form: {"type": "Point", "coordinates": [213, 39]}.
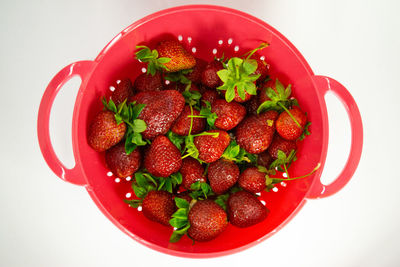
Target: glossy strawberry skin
{"type": "Point", "coordinates": [229, 114]}
{"type": "Point", "coordinates": [245, 210]}
{"type": "Point", "coordinates": [180, 58]}
{"type": "Point", "coordinates": [252, 106]}
{"type": "Point", "coordinates": [159, 206]}
{"type": "Point", "coordinates": [255, 132]}
{"type": "Point", "coordinates": [146, 82]}
{"type": "Point", "coordinates": [161, 110]}
{"type": "Point", "coordinates": [209, 76]}
{"type": "Point", "coordinates": [181, 125]}
{"type": "Point", "coordinates": [162, 158]}
{"type": "Point", "coordinates": [278, 143]}
{"type": "Point", "coordinates": [195, 75]}
{"type": "Point", "coordinates": [207, 220]}
{"type": "Point", "coordinates": [191, 171]}
{"type": "Point", "coordinates": [209, 95]}
{"type": "Point", "coordinates": [211, 148]}
{"type": "Point", "coordinates": [252, 180]}
{"type": "Point", "coordinates": [222, 174]}
{"type": "Point", "coordinates": [104, 132]}
{"type": "Point", "coordinates": [264, 159]}
{"type": "Point", "coordinates": [262, 69]}
{"type": "Point", "coordinates": [287, 128]}
{"type": "Point", "coordinates": [121, 164]}
{"type": "Point", "coordinates": [123, 90]}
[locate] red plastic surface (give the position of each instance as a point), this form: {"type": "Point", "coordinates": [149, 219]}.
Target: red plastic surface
{"type": "Point", "coordinates": [203, 28]}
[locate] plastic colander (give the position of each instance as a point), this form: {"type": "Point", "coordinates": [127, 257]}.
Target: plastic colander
{"type": "Point", "coordinates": [206, 31]}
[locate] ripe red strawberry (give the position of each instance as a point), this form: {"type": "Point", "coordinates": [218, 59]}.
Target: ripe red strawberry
{"type": "Point", "coordinates": [159, 206]}
{"type": "Point", "coordinates": [104, 132]}
{"type": "Point", "coordinates": [123, 90]}
{"type": "Point", "coordinates": [264, 159]}
{"type": "Point", "coordinates": [222, 174]}
{"type": "Point", "coordinates": [211, 148]}
{"type": "Point", "coordinates": [207, 220]}
{"type": "Point", "coordinates": [191, 171]}
{"type": "Point", "coordinates": [209, 76]}
{"type": "Point", "coordinates": [195, 75]}
{"type": "Point", "coordinates": [161, 110]}
{"type": "Point", "coordinates": [146, 82]}
{"type": "Point", "coordinates": [209, 95]}
{"type": "Point", "coordinates": [229, 114]}
{"type": "Point", "coordinates": [180, 87]}
{"type": "Point", "coordinates": [252, 180]}
{"type": "Point", "coordinates": [180, 58]}
{"type": "Point", "coordinates": [185, 195]}
{"type": "Point", "coordinates": [278, 143]}
{"type": "Point", "coordinates": [262, 69]}
{"type": "Point", "coordinates": [245, 210]}
{"type": "Point", "coordinates": [286, 126]}
{"type": "Point", "coordinates": [121, 164]}
{"type": "Point", "coordinates": [162, 158]}
{"type": "Point", "coordinates": [181, 125]}
{"type": "Point", "coordinates": [252, 106]}
{"type": "Point", "coordinates": [255, 133]}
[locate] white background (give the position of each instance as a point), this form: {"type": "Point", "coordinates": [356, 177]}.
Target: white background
{"type": "Point", "coordinates": [47, 222]}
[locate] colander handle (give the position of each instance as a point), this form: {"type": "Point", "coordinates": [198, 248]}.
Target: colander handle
{"type": "Point", "coordinates": [83, 69]}
{"type": "Point", "coordinates": [326, 84]}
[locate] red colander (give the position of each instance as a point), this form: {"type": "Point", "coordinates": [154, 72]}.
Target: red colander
{"type": "Point", "coordinates": [206, 31]}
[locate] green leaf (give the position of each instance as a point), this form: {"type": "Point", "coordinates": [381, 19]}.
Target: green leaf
{"type": "Point", "coordinates": [136, 109]}
{"type": "Point", "coordinates": [181, 214]}
{"type": "Point", "coordinates": [221, 200]}
{"type": "Point", "coordinates": [211, 117]}
{"type": "Point", "coordinates": [281, 155]}
{"type": "Point", "coordinates": [305, 131]}
{"type": "Point", "coordinates": [134, 203]}
{"type": "Point", "coordinates": [181, 203]}
{"type": "Point", "coordinates": [177, 234]}
{"type": "Point", "coordinates": [249, 66]}
{"type": "Point", "coordinates": [138, 140]}
{"type": "Point", "coordinates": [223, 75]}
{"type": "Point", "coordinates": [250, 88]}
{"type": "Point", "coordinates": [141, 180]}
{"type": "Point", "coordinates": [139, 126]}
{"type": "Point", "coordinates": [163, 60]}
{"type": "Point", "coordinates": [230, 94]}
{"type": "Point", "coordinates": [178, 222]}
{"type": "Point", "coordinates": [177, 140]}
{"type": "Point", "coordinates": [139, 191]}
{"type": "Point", "coordinates": [240, 90]}
{"type": "Point", "coordinates": [176, 178]}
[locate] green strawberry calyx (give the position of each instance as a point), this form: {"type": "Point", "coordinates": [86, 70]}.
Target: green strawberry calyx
{"type": "Point", "coordinates": [129, 113]}
{"type": "Point", "coordinates": [180, 220]}
{"type": "Point", "coordinates": [154, 63]}
{"type": "Point", "coordinates": [200, 190]}
{"type": "Point", "coordinates": [238, 75]}
{"type": "Point", "coordinates": [237, 154]}
{"type": "Point", "coordinates": [179, 76]}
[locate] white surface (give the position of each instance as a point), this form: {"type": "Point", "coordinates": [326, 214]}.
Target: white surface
{"type": "Point", "coordinates": [46, 222]}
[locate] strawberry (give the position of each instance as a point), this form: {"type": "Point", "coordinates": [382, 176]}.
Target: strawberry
{"type": "Point", "coordinates": [278, 143]}
{"type": "Point", "coordinates": [146, 82]}
{"type": "Point", "coordinates": [195, 75]}
{"type": "Point", "coordinates": [287, 127]}
{"type": "Point", "coordinates": [121, 164]}
{"type": "Point", "coordinates": [252, 106]}
{"type": "Point", "coordinates": [162, 158]}
{"type": "Point", "coordinates": [180, 58]}
{"type": "Point", "coordinates": [262, 96]}
{"type": "Point", "coordinates": [207, 220]}
{"type": "Point", "coordinates": [159, 206]}
{"type": "Point", "coordinates": [244, 209]}
{"type": "Point", "coordinates": [161, 110]}
{"type": "Point", "coordinates": [264, 159]}
{"type": "Point", "coordinates": [209, 95]}
{"type": "Point", "coordinates": [252, 180]}
{"type": "Point", "coordinates": [191, 171]}
{"type": "Point", "coordinates": [104, 132]}
{"type": "Point", "coordinates": [255, 132]}
{"type": "Point", "coordinates": [209, 76]}
{"type": "Point", "coordinates": [262, 69]}
{"type": "Point", "coordinates": [222, 175]}
{"type": "Point", "coordinates": [181, 125]}
{"type": "Point", "coordinates": [123, 90]}
{"type": "Point", "coordinates": [211, 148]}
{"type": "Point", "coordinates": [229, 114]}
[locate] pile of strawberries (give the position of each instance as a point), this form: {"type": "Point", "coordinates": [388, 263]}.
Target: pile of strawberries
{"type": "Point", "coordinates": [201, 145]}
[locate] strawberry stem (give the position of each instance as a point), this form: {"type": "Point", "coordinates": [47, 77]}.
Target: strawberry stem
{"type": "Point", "coordinates": [196, 116]}
{"type": "Point", "coordinates": [290, 114]}
{"type": "Point", "coordinates": [303, 176]}
{"type": "Point", "coordinates": [261, 46]}
{"type": "Point", "coordinates": [187, 155]}
{"type": "Point", "coordinates": [215, 135]}
{"type": "Point", "coordinates": [191, 119]}
{"type": "Point", "coordinates": [286, 171]}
